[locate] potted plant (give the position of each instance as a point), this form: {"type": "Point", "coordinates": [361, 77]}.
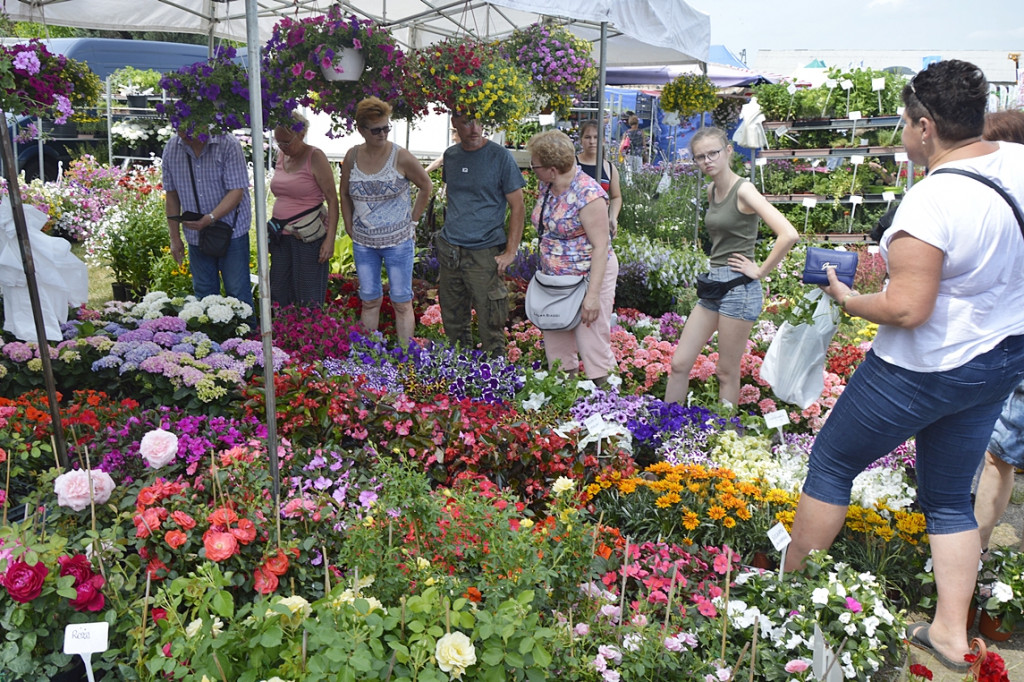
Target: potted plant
{"type": "Point", "coordinates": [329, 63]}
{"type": "Point", "coordinates": [210, 97]}
{"type": "Point", "coordinates": [471, 78]}
{"type": "Point", "coordinates": [34, 81]}
{"type": "Point", "coordinates": [135, 85]}
{"type": "Point", "coordinates": [689, 94]}
{"type": "Point", "coordinates": [1001, 593]}
{"type": "Point", "coordinates": [557, 62]}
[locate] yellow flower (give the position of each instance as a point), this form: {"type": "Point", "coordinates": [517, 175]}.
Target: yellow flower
{"type": "Point", "coordinates": [526, 523]}
{"type": "Point", "coordinates": [729, 522]}
{"type": "Point", "coordinates": [690, 520]}
{"type": "Point", "coordinates": [716, 512]}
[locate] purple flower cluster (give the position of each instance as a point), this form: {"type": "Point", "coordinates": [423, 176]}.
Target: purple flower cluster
{"type": "Point", "coordinates": [557, 62]}
{"type": "Point", "coordinates": [210, 96]}
{"type": "Point", "coordinates": [688, 427]}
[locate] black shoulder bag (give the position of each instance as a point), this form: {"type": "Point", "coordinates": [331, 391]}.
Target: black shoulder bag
{"type": "Point", "coordinates": [215, 238]}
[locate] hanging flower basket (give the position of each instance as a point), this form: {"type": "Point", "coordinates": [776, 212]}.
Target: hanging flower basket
{"type": "Point", "coordinates": [306, 62]}
{"type": "Point", "coordinates": [471, 78]}
{"type": "Point", "coordinates": [557, 63]}
{"type": "Point", "coordinates": [207, 98]}
{"type": "Point", "coordinates": [689, 94]}
{"type": "Point", "coordinates": [35, 82]}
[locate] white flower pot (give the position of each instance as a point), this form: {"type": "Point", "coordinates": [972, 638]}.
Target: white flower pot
{"type": "Point", "coordinates": [348, 65]}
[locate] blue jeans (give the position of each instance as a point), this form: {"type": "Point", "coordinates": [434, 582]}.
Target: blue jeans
{"type": "Point", "coordinates": [951, 413]}
{"type": "Point", "coordinates": [1008, 436]}
{"type": "Point", "coordinates": [207, 271]}
{"type": "Point", "coordinates": [398, 262]}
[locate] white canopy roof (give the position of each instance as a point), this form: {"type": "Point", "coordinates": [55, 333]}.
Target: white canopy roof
{"type": "Point", "coordinates": [641, 32]}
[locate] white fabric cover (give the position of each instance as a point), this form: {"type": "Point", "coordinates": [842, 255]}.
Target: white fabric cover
{"type": "Point", "coordinates": [62, 279]}
{"type": "Point", "coordinates": [750, 133]}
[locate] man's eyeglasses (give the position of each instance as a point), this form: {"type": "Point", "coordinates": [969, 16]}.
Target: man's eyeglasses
{"type": "Point", "coordinates": [710, 156]}
{"type": "Point", "coordinates": [534, 168]}
{"type": "Point", "coordinates": [378, 130]}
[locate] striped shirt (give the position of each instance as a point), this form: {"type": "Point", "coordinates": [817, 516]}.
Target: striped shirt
{"type": "Point", "coordinates": [220, 169]}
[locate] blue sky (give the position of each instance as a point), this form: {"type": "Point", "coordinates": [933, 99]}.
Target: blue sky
{"type": "Point", "coordinates": [867, 24]}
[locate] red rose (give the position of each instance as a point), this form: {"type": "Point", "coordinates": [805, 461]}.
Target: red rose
{"type": "Point", "coordinates": [25, 582]}
{"type": "Point", "coordinates": [89, 598]}
{"type": "Point", "coordinates": [156, 569]}
{"type": "Point", "coordinates": [245, 532]}
{"type": "Point", "coordinates": [183, 520]}
{"type": "Point", "coordinates": [265, 582]}
{"type": "Point", "coordinates": [222, 517]}
{"type": "Point", "coordinates": [277, 564]}
{"type": "Point", "coordinates": [921, 671]}
{"type": "Point", "coordinates": [78, 566]}
{"type": "Point", "coordinates": [220, 546]}
{"type": "Point", "coordinates": [175, 538]}
{"type": "Point", "coordinates": [158, 614]}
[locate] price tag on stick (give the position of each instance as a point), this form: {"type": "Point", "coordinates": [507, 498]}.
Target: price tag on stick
{"type": "Point", "coordinates": [86, 639]}
{"type": "Point", "coordinates": [847, 84]}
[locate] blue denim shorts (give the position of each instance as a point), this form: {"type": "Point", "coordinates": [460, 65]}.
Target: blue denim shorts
{"type": "Point", "coordinates": [951, 413]}
{"type": "Point", "coordinates": [742, 303]}
{"type": "Point", "coordinates": [1007, 442]}
{"type": "Point", "coordinates": [397, 260]}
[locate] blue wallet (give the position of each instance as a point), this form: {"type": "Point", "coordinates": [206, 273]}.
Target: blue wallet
{"type": "Point", "coordinates": [819, 260]}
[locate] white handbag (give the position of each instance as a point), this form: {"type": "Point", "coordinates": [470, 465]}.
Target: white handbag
{"type": "Point", "coordinates": [555, 302]}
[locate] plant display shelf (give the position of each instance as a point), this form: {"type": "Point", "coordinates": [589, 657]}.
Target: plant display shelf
{"type": "Point", "coordinates": [834, 123]}
{"type": "Point", "coordinates": [827, 151]}
{"type": "Point", "coordinates": [870, 198]}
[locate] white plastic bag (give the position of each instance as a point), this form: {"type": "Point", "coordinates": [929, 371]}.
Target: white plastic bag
{"type": "Point", "coordinates": [795, 362]}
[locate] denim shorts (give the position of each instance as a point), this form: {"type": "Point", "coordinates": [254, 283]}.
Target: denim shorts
{"type": "Point", "coordinates": [1007, 441]}
{"type": "Point", "coordinates": [397, 260]}
{"type": "Point", "coordinates": [951, 413]}
{"type": "Point", "coordinates": [742, 303]}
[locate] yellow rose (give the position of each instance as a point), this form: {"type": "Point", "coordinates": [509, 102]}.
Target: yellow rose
{"type": "Point", "coordinates": [455, 653]}
{"type": "Point", "coordinates": [563, 485]}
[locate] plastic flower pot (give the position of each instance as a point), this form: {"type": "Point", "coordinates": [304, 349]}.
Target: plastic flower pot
{"type": "Point", "coordinates": [988, 626]}
{"type": "Point", "coordinates": [347, 66]}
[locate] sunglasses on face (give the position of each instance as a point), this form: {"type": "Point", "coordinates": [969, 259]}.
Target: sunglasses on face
{"type": "Point", "coordinates": [378, 130]}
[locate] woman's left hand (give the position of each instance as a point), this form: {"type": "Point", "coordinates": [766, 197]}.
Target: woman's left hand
{"type": "Point", "coordinates": [326, 250]}
{"type": "Point", "coordinates": [590, 308]}
{"type": "Point", "coordinates": [743, 265]}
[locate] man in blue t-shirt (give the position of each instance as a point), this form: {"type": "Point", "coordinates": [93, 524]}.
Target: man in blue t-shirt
{"type": "Point", "coordinates": [473, 247]}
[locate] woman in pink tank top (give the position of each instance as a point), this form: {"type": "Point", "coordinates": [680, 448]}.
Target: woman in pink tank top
{"type": "Point", "coordinates": [304, 218]}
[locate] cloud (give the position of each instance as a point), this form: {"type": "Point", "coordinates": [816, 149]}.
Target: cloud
{"type": "Point", "coordinates": [887, 4]}
{"type": "Point", "coordinates": [1016, 33]}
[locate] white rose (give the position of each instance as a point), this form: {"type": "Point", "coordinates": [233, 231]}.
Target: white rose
{"type": "Point", "coordinates": [193, 628]}
{"type": "Point", "coordinates": [455, 653]}
{"type": "Point", "coordinates": [159, 448]}
{"type": "Point", "coordinates": [72, 488]}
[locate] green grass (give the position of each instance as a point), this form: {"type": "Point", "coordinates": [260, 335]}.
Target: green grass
{"type": "Point", "coordinates": [100, 279]}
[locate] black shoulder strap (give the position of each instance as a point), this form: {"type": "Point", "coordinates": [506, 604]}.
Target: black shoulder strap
{"type": "Point", "coordinates": [195, 192]}
{"type": "Point", "coordinates": [993, 185]}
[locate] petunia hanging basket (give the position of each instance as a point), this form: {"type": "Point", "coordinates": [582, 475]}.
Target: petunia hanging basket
{"type": "Point", "coordinates": [329, 63]}
{"type": "Point", "coordinates": [557, 63]}
{"type": "Point", "coordinates": [36, 82]}
{"type": "Point", "coordinates": [689, 94]}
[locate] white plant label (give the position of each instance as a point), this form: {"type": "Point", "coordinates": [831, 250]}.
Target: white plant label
{"type": "Point", "coordinates": [85, 638]}
{"type": "Point", "coordinates": [856, 199]}
{"type": "Point", "coordinates": [878, 83]}
{"type": "Point", "coordinates": [830, 83]}
{"type": "Point", "coordinates": [781, 130]}
{"type": "Point", "coordinates": [901, 157]}
{"type": "Point", "coordinates": [846, 84]}
{"type": "Point", "coordinates": [779, 536]}
{"type": "Point", "coordinates": [594, 423]}
{"type": "Point", "coordinates": [888, 196]}
{"type": "Point", "coordinates": [900, 110]}
{"type": "Point", "coordinates": [873, 249]}
{"type": "Point", "coordinates": [778, 418]}
{"type": "Point", "coordinates": [761, 161]}
{"type": "Point", "coordinates": [791, 89]}
{"type": "Point", "coordinates": [809, 202]}
{"type": "Point", "coordinates": [855, 116]}
{"type": "Point", "coordinates": [856, 159]}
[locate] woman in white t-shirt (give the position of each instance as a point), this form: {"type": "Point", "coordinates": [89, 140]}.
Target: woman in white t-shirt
{"type": "Point", "coordinates": [949, 349]}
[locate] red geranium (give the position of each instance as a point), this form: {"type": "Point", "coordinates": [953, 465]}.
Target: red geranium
{"type": "Point", "coordinates": [921, 671]}
{"type": "Point", "coordinates": [24, 582]}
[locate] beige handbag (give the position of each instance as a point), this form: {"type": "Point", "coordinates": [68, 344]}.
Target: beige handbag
{"type": "Point", "coordinates": [310, 227]}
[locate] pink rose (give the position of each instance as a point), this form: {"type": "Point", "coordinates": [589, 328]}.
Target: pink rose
{"type": "Point", "coordinates": [798, 665]}
{"type": "Point", "coordinates": [24, 582]}
{"type": "Point", "coordinates": [159, 448]}
{"type": "Point", "coordinates": [72, 488]}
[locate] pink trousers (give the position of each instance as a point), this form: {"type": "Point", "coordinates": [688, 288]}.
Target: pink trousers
{"type": "Point", "coordinates": [593, 343]}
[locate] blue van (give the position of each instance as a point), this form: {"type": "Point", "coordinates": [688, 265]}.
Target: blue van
{"type": "Point", "coordinates": [104, 56]}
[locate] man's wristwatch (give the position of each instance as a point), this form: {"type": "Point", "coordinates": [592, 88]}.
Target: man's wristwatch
{"type": "Point", "coordinates": [213, 218]}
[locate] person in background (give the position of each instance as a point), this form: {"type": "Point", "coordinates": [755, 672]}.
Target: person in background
{"type": "Point", "coordinates": [633, 146]}
{"type": "Point", "coordinates": [380, 216]}
{"type": "Point", "coordinates": [1005, 450]}
{"type": "Point", "coordinates": [609, 179]}
{"type": "Point", "coordinates": [303, 181]}
{"type": "Point", "coordinates": [220, 192]}
{"type": "Point", "coordinates": [734, 207]}
{"type": "Point", "coordinates": [473, 247]}
{"type": "Point", "coordinates": [949, 347]}
{"type": "Point", "coordinates": [571, 218]}
{"type": "Point", "coordinates": [439, 161]}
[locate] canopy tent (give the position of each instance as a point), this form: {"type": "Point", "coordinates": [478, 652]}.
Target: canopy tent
{"type": "Point", "coordinates": [723, 68]}
{"type": "Point", "coordinates": [629, 32]}
{"type": "Point", "coordinates": [641, 32]}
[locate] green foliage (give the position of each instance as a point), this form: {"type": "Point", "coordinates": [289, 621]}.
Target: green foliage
{"type": "Point", "coordinates": [131, 81]}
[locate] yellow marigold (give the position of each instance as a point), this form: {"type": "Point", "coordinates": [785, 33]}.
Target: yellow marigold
{"type": "Point", "coordinates": [885, 532]}
{"type": "Point", "coordinates": [729, 522]}
{"type": "Point", "coordinates": [690, 520]}
{"type": "Point", "coordinates": [592, 490]}
{"type": "Point", "coordinates": [716, 512]}
{"type": "Point", "coordinates": [659, 468]}
{"type": "Point", "coordinates": [777, 496]}
{"type": "Point", "coordinates": [627, 487]}
{"type": "Point", "coordinates": [743, 513]}
{"type": "Point", "coordinates": [786, 518]}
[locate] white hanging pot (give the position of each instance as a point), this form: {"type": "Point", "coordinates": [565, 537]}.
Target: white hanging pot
{"type": "Point", "coordinates": [670, 118]}
{"type": "Point", "coordinates": [347, 66]}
